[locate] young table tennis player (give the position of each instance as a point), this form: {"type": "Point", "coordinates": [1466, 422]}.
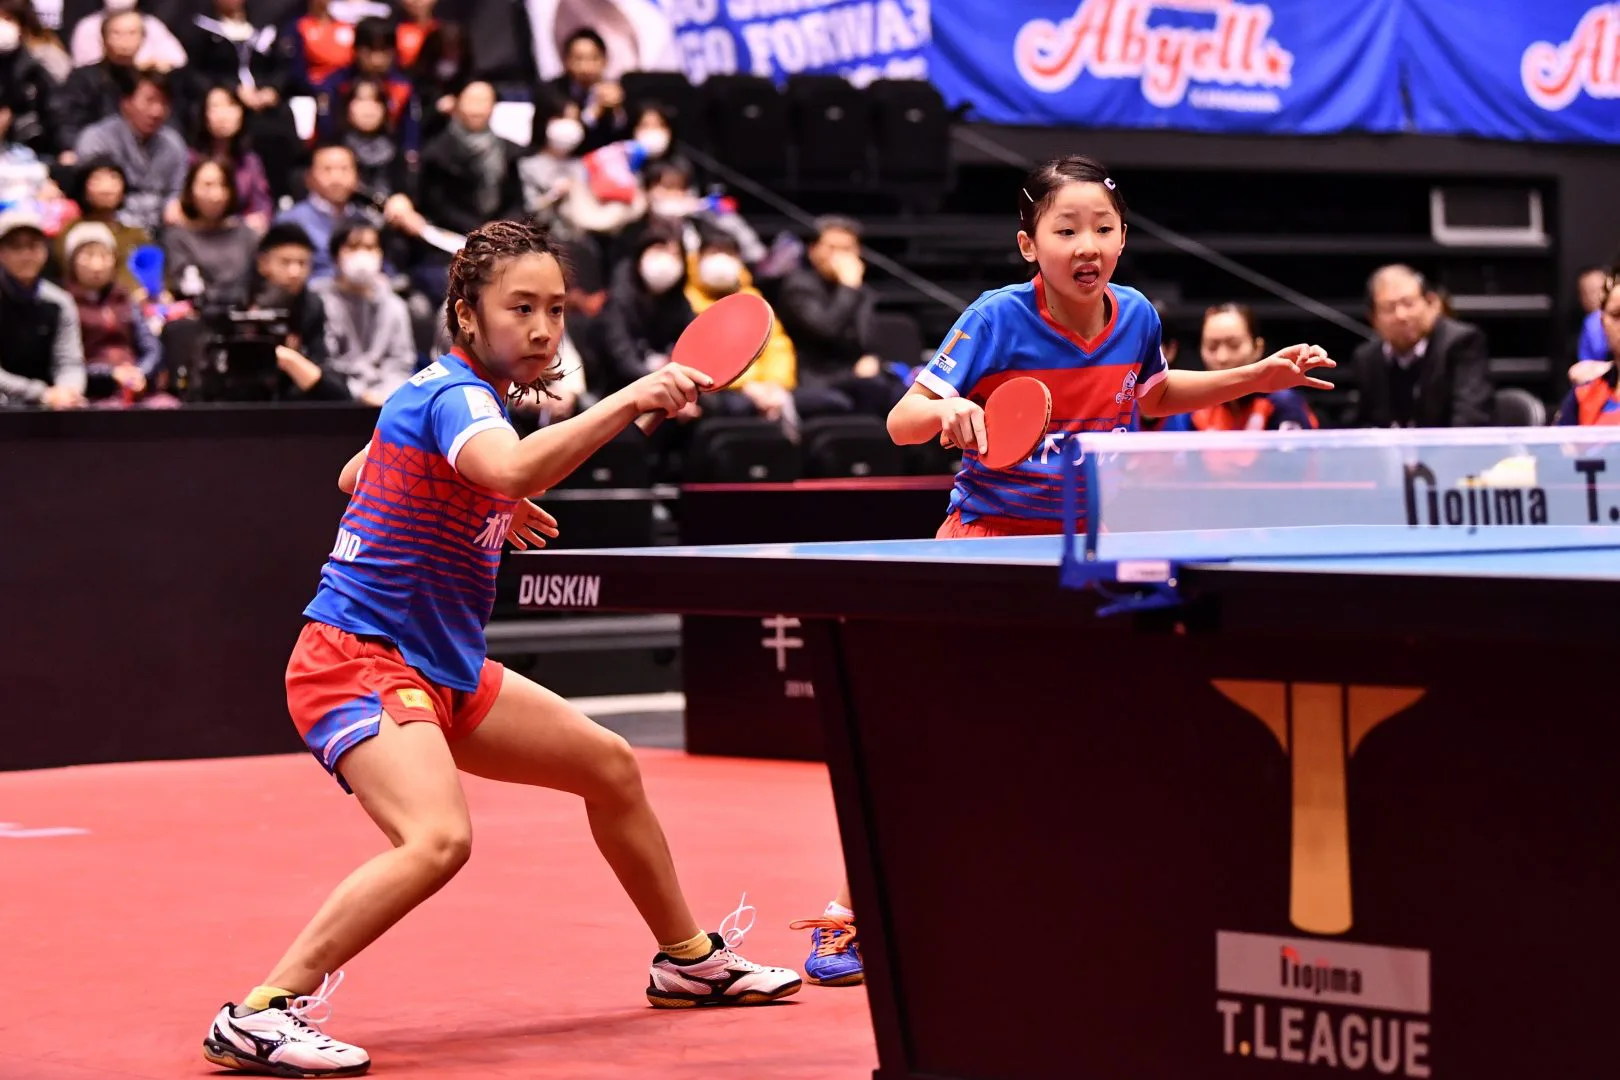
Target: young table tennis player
{"type": "Point", "coordinates": [1095, 347]}
{"type": "Point", "coordinates": [389, 684]}
{"type": "Point", "coordinates": [1094, 344]}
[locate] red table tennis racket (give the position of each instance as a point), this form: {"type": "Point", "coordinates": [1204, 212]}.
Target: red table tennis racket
{"type": "Point", "coordinates": [1016, 415]}
{"type": "Point", "coordinates": [722, 342]}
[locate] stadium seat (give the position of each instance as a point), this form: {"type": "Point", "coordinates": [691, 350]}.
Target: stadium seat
{"type": "Point", "coordinates": [740, 450]}
{"type": "Point", "coordinates": [672, 91]}
{"type": "Point", "coordinates": [911, 129]}
{"type": "Point", "coordinates": [832, 130]}
{"type": "Point", "coordinates": [849, 446]}
{"type": "Point", "coordinates": [898, 338]}
{"type": "Point", "coordinates": [746, 118]}
{"type": "Point", "coordinates": [622, 463]}
{"type": "Point", "coordinates": [1514, 407]}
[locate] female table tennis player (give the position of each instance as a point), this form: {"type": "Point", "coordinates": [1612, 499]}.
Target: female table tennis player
{"type": "Point", "coordinates": [389, 684]}
{"type": "Point", "coordinates": [1592, 399]}
{"type": "Point", "coordinates": [1231, 339]}
{"type": "Point", "coordinates": [1096, 347]}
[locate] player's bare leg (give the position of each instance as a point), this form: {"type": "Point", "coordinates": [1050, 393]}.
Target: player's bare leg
{"type": "Point", "coordinates": [407, 781]}
{"type": "Point", "coordinates": [531, 736]}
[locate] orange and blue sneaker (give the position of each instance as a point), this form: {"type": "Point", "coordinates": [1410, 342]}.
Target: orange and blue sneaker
{"type": "Point", "coordinates": [835, 959]}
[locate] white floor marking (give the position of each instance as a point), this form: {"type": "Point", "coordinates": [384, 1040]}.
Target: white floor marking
{"type": "Point", "coordinates": [619, 704]}
{"type": "Point", "coordinates": [10, 830]}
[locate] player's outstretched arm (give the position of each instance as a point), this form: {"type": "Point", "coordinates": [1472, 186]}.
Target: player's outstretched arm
{"type": "Point", "coordinates": [922, 414]}
{"type": "Point", "coordinates": [518, 468]}
{"type": "Point", "coordinates": [1185, 391]}
{"type": "Point", "coordinates": [350, 476]}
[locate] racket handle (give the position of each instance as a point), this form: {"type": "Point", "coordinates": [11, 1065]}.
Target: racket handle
{"type": "Point", "coordinates": [648, 422]}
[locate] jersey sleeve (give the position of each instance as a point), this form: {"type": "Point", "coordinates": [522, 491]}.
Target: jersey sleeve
{"type": "Point", "coordinates": [966, 356]}
{"type": "Point", "coordinates": [1150, 366]}
{"type": "Point", "coordinates": [460, 412]}
{"type": "Point", "coordinates": [1594, 345]}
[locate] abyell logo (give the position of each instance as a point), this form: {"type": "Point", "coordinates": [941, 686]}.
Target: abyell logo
{"type": "Point", "coordinates": [1555, 75]}
{"type": "Point", "coordinates": [1112, 39]}
{"type": "Point", "coordinates": [1127, 389]}
{"type": "Point", "coordinates": [1352, 1005]}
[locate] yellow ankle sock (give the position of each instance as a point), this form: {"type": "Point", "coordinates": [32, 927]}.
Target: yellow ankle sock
{"type": "Point", "coordinates": [695, 947]}
{"type": "Point", "coordinates": [261, 995]}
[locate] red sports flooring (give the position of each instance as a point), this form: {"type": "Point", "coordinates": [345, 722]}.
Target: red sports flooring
{"type": "Point", "coordinates": [117, 945]}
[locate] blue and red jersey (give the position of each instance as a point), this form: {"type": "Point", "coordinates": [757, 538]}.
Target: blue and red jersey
{"type": "Point", "coordinates": [419, 545]}
{"type": "Point", "coordinates": [1591, 404]}
{"type": "Point", "coordinates": [1095, 385]}
{"type": "Point", "coordinates": [1285, 410]}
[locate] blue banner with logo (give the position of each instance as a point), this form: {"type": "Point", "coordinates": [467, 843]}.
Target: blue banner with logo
{"type": "Point", "coordinates": [1297, 67]}
{"type": "Point", "coordinates": [1546, 70]}
{"type": "Point", "coordinates": [861, 40]}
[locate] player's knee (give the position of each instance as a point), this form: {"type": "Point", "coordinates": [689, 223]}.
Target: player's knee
{"type": "Point", "coordinates": [443, 849]}
{"type": "Point", "coordinates": [618, 773]}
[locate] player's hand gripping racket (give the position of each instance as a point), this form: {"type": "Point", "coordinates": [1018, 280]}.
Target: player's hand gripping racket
{"type": "Point", "coordinates": [723, 342]}
{"type": "Point", "coordinates": [1016, 415]}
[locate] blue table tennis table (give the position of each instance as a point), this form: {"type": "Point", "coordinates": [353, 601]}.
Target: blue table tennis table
{"type": "Point", "coordinates": [1206, 803]}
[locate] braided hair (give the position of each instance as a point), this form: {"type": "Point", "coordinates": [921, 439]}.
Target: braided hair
{"type": "Point", "coordinates": [474, 267]}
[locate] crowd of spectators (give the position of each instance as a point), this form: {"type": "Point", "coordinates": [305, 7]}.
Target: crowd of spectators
{"type": "Point", "coordinates": [164, 185]}
{"type": "Point", "coordinates": [159, 192]}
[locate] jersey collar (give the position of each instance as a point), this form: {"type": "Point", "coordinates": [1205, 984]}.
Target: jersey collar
{"type": "Point", "coordinates": [1089, 345]}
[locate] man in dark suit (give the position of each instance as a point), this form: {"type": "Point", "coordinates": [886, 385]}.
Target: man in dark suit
{"type": "Point", "coordinates": [1428, 369]}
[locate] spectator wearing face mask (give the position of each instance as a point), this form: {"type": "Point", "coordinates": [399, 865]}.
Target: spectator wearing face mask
{"type": "Point", "coordinates": [671, 197]}
{"type": "Point", "coordinates": [646, 309]}
{"type": "Point", "coordinates": [654, 133]}
{"type": "Point", "coordinates": [549, 174]}
{"type": "Point", "coordinates": [36, 39]}
{"type": "Point", "coordinates": [716, 271]}
{"type": "Point", "coordinates": [369, 342]}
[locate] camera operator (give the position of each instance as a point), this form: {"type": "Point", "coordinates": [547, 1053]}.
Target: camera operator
{"type": "Point", "coordinates": [267, 345]}
{"type": "Point", "coordinates": [281, 283]}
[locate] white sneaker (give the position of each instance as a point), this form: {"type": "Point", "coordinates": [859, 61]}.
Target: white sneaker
{"type": "Point", "coordinates": [284, 1040]}
{"type": "Point", "coordinates": [722, 977]}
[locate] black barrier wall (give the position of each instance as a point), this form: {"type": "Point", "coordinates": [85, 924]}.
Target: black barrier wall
{"type": "Point", "coordinates": [153, 568]}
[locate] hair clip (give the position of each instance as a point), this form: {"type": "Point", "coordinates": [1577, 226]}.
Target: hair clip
{"type": "Point", "coordinates": [1026, 193]}
{"type": "Point", "coordinates": [1108, 182]}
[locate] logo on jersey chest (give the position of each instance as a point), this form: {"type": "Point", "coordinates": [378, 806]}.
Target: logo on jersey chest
{"type": "Point", "coordinates": [1127, 392]}
{"type": "Point", "coordinates": [494, 532]}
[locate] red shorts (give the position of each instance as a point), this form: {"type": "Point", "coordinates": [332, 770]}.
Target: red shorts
{"type": "Point", "coordinates": [955, 528]}
{"type": "Point", "coordinates": [339, 685]}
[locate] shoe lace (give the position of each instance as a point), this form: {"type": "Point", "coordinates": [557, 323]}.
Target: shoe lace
{"type": "Point", "coordinates": [732, 935]}
{"type": "Point", "coordinates": [837, 933]}
{"type": "Point", "coordinates": [313, 1010]}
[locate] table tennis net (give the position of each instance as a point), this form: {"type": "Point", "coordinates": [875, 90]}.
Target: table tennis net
{"type": "Point", "coordinates": [1310, 493]}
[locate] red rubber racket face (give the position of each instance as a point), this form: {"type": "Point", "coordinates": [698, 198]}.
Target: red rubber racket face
{"type": "Point", "coordinates": [726, 339]}
{"type": "Point", "coordinates": [1015, 418]}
